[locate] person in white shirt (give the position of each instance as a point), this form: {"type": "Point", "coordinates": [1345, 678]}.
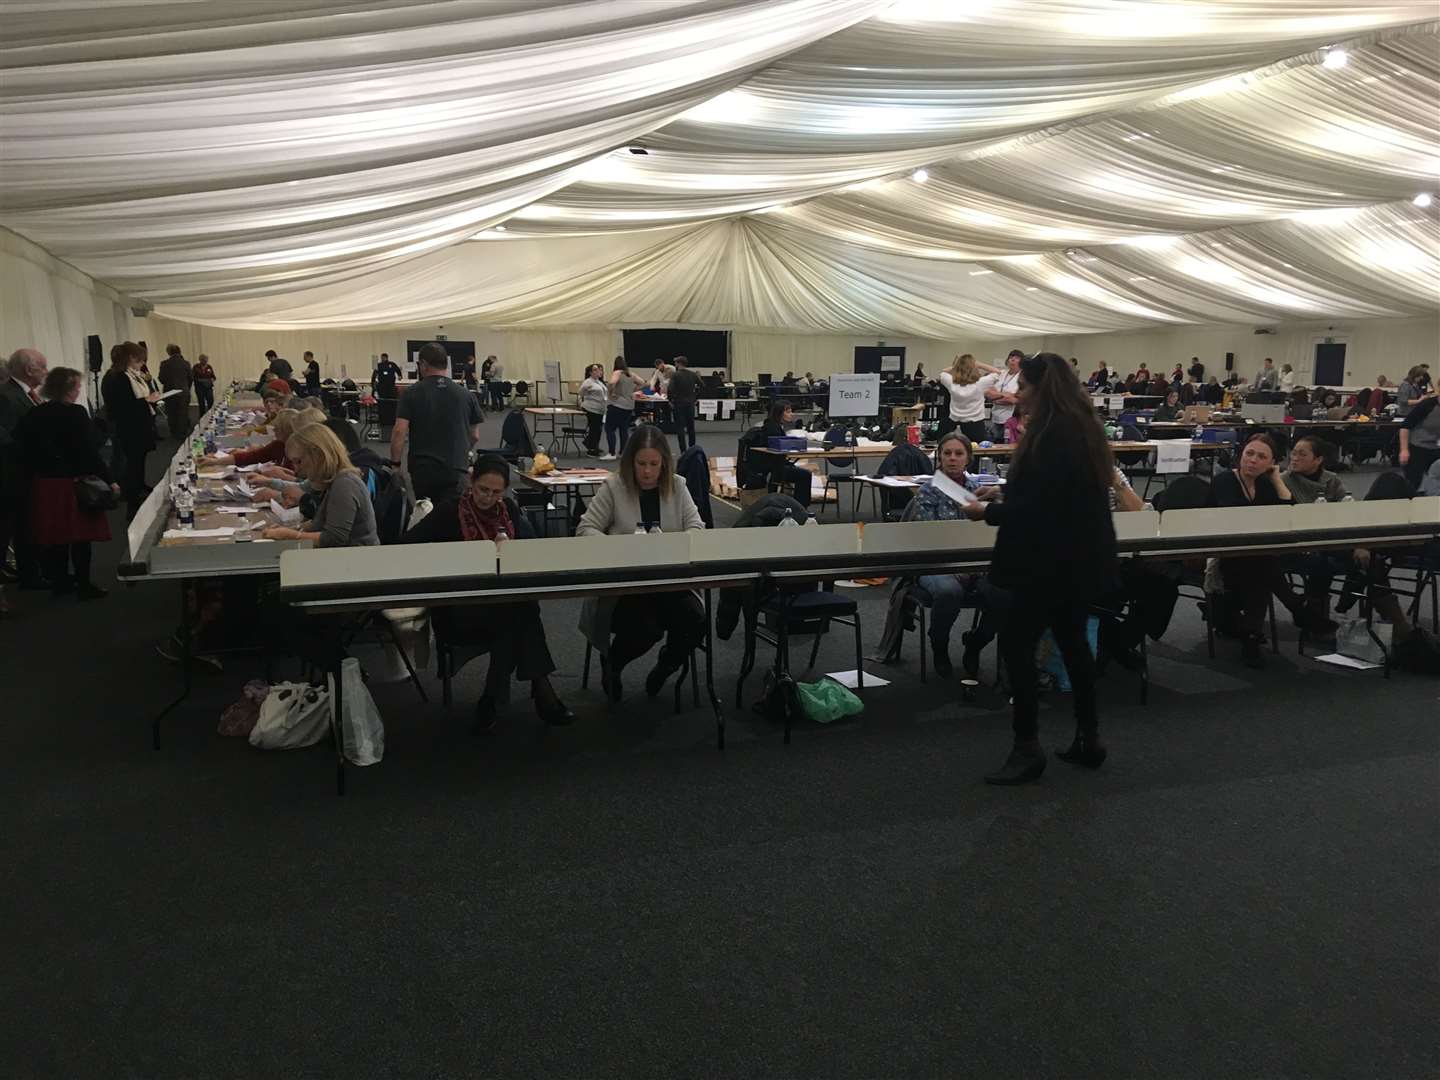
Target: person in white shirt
{"type": "Point", "coordinates": [1287, 378]}
{"type": "Point", "coordinates": [661, 380]}
{"type": "Point", "coordinates": [962, 381]}
{"type": "Point", "coordinates": [1000, 391]}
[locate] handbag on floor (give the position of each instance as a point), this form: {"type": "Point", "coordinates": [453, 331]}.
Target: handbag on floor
{"type": "Point", "coordinates": [292, 715]}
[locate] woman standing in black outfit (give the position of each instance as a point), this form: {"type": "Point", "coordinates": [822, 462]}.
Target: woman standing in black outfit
{"type": "Point", "coordinates": [59, 443]}
{"type": "Point", "coordinates": [130, 407]}
{"type": "Point", "coordinates": [1054, 554]}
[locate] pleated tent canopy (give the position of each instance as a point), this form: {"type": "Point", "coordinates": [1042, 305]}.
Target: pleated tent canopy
{"type": "Point", "coordinates": [940, 168]}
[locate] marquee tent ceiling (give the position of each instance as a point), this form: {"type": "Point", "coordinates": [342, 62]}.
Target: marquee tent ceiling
{"type": "Point", "coordinates": [1092, 164]}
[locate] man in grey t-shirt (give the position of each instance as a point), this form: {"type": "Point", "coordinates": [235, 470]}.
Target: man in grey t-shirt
{"type": "Point", "coordinates": [441, 420]}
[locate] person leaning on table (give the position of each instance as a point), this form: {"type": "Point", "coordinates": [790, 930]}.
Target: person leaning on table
{"type": "Point", "coordinates": [515, 634]}
{"type": "Point", "coordinates": [643, 494]}
{"type": "Point", "coordinates": [345, 516]}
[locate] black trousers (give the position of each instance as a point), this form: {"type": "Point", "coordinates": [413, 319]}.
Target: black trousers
{"type": "Point", "coordinates": [14, 527]}
{"type": "Point", "coordinates": [1252, 581]}
{"type": "Point", "coordinates": [1421, 458]}
{"type": "Point", "coordinates": [594, 425]}
{"type": "Point", "coordinates": [796, 476]}
{"type": "Point", "coordinates": [205, 396]}
{"type": "Point", "coordinates": [516, 636]}
{"type": "Point", "coordinates": [177, 415]}
{"type": "Point", "coordinates": [434, 481]}
{"type": "Point", "coordinates": [640, 621]}
{"type": "Point", "coordinates": [1026, 615]}
{"type": "Point", "coordinates": [684, 416]}
{"type": "Point", "coordinates": [386, 404]}
{"type": "Point", "coordinates": [975, 430]}
{"type": "Point", "coordinates": [132, 477]}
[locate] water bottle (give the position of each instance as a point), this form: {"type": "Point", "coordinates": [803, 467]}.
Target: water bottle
{"type": "Point", "coordinates": [185, 506]}
{"type": "Point", "coordinates": [1199, 432]}
{"type": "Point", "coordinates": [788, 521]}
{"type": "Point", "coordinates": [1348, 498]}
{"type": "Point", "coordinates": [501, 534]}
{"type": "Point", "coordinates": [191, 473]}
{"type": "Point", "coordinates": [1321, 499]}
{"type": "Point", "coordinates": [655, 530]}
{"type": "Point", "coordinates": [639, 528]}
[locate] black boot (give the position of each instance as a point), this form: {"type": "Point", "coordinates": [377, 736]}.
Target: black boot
{"type": "Point", "coordinates": [485, 717]}
{"type": "Point", "coordinates": [940, 652]}
{"type": "Point", "coordinates": [1252, 652]}
{"type": "Point", "coordinates": [610, 680]}
{"type": "Point", "coordinates": [665, 665]}
{"type": "Point", "coordinates": [1085, 750]}
{"type": "Point", "coordinates": [1025, 763]}
{"type": "Point", "coordinates": [970, 659]}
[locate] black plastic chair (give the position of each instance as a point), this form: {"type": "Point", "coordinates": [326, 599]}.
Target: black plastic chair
{"type": "Point", "coordinates": [793, 613]}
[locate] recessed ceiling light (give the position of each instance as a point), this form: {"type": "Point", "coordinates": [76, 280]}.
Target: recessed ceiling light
{"type": "Point", "coordinates": [920, 175]}
{"type": "Point", "coordinates": [977, 273]}
{"type": "Point", "coordinates": [1336, 58]}
{"type": "Point", "coordinates": [1287, 266]}
{"type": "Point", "coordinates": [1032, 288]}
{"type": "Point", "coordinates": [499, 228]}
{"type": "Point", "coordinates": [1217, 244]}
{"type": "Point", "coordinates": [1422, 200]}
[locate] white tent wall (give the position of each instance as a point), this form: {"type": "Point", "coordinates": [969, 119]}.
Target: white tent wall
{"type": "Point", "coordinates": [48, 305]}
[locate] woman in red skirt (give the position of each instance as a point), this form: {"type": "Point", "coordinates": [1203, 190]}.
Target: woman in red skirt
{"type": "Point", "coordinates": [59, 443]}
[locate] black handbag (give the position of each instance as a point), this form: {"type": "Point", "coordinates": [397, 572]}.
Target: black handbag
{"type": "Point", "coordinates": [94, 495]}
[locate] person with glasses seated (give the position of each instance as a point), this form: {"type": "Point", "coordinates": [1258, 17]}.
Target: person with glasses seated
{"type": "Point", "coordinates": [514, 631]}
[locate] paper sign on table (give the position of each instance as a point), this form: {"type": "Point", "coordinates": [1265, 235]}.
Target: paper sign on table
{"type": "Point", "coordinates": [707, 409]}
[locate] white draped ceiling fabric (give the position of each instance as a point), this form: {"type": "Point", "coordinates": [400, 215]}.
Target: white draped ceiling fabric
{"type": "Point", "coordinates": [1093, 165]}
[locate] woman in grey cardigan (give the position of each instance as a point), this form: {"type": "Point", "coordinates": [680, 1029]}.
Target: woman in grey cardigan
{"type": "Point", "coordinates": [346, 517]}
{"type": "Point", "coordinates": [642, 496]}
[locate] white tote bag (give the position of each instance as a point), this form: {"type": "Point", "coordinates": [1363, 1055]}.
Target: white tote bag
{"type": "Point", "coordinates": [292, 715]}
{"type": "Point", "coordinates": [362, 731]}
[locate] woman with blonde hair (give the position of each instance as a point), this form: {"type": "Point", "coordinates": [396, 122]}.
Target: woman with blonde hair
{"type": "Point", "coordinates": [345, 516]}
{"type": "Point", "coordinates": [961, 381]}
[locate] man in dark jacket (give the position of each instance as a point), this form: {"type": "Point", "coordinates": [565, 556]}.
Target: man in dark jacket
{"type": "Point", "coordinates": [175, 374]}
{"type": "Point", "coordinates": [684, 392]}
{"type": "Point", "coordinates": [20, 383]}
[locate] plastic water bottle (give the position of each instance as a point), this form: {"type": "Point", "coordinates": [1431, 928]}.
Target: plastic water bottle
{"type": "Point", "coordinates": [1321, 499]}
{"type": "Point", "coordinates": [789, 520]}
{"type": "Point", "coordinates": [185, 506]}
{"type": "Point", "coordinates": [1348, 498]}
{"type": "Point", "coordinates": [501, 534]}
{"type": "Point", "coordinates": [191, 473]}
{"type": "Point", "coordinates": [1199, 432]}
{"type": "Point", "coordinates": [639, 528]}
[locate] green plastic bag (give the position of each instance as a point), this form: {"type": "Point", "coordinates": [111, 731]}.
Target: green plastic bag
{"type": "Point", "coordinates": [827, 700]}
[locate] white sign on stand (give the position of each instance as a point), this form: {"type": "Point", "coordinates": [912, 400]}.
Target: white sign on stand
{"type": "Point", "coordinates": [552, 380]}
{"type": "Point", "coordinates": [1172, 456]}
{"type": "Point", "coordinates": [855, 395]}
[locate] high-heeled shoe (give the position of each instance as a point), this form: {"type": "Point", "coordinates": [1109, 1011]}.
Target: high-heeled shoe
{"type": "Point", "coordinates": [1025, 763]}
{"type": "Point", "coordinates": [1085, 750]}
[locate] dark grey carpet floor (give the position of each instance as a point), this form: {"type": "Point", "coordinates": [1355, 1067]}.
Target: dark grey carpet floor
{"type": "Point", "coordinates": [1248, 888]}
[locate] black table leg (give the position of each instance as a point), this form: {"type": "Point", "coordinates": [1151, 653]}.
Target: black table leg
{"type": "Point", "coordinates": [337, 704]}
{"type": "Point", "coordinates": [184, 669]}
{"type": "Point", "coordinates": [710, 675]}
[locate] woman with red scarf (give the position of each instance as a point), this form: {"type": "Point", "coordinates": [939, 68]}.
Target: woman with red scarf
{"type": "Point", "coordinates": [514, 632]}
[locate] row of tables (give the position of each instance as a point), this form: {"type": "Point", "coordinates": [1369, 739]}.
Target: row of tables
{"type": "Point", "coordinates": [347, 580]}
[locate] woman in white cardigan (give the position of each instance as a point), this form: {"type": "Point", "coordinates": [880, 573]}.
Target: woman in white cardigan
{"type": "Point", "coordinates": [643, 495]}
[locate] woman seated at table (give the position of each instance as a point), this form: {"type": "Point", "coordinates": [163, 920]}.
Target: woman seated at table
{"type": "Point", "coordinates": [514, 631]}
{"type": "Point", "coordinates": [1170, 410]}
{"type": "Point", "coordinates": [345, 516]}
{"type": "Point", "coordinates": [940, 499]}
{"type": "Point", "coordinates": [271, 456]}
{"type": "Point", "coordinates": [1256, 481]}
{"type": "Point", "coordinates": [291, 492]}
{"type": "Point", "coordinates": [58, 444]}
{"type": "Point", "coordinates": [1309, 481]}
{"type": "Point", "coordinates": [780, 421]}
{"type": "Point", "coordinates": [642, 494]}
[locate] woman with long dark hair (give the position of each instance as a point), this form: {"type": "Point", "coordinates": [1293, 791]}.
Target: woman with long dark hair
{"type": "Point", "coordinates": [1054, 554]}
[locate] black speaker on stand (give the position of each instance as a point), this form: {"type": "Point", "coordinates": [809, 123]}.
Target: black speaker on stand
{"type": "Point", "coordinates": [95, 357]}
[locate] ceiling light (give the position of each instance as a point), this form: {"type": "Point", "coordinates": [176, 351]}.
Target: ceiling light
{"type": "Point", "coordinates": [977, 273]}
{"type": "Point", "coordinates": [920, 176]}
{"type": "Point", "coordinates": [1422, 200]}
{"type": "Point", "coordinates": [499, 228]}
{"type": "Point", "coordinates": [1139, 279]}
{"type": "Point", "coordinates": [1336, 58]}
{"type": "Point", "coordinates": [1032, 288]}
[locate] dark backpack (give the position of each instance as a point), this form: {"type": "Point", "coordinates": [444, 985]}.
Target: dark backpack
{"type": "Point", "coordinates": [392, 506]}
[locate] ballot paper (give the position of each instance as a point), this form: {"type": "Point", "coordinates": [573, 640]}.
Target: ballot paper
{"type": "Point", "coordinates": [286, 515]}
{"type": "Point", "coordinates": [236, 509]}
{"type": "Point", "coordinates": [248, 468]}
{"type": "Point", "coordinates": [1341, 660]}
{"type": "Point", "coordinates": [198, 534]}
{"type": "Point", "coordinates": [170, 393]}
{"type": "Point", "coordinates": [852, 679]}
{"type": "Point", "coordinates": [245, 489]}
{"type": "Point", "coordinates": [212, 474]}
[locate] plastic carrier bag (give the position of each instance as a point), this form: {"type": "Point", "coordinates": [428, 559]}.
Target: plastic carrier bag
{"type": "Point", "coordinates": [826, 701]}
{"type": "Point", "coordinates": [291, 716]}
{"type": "Point", "coordinates": [362, 732]}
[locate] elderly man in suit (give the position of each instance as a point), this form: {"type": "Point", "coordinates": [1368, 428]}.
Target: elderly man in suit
{"type": "Point", "coordinates": [23, 375]}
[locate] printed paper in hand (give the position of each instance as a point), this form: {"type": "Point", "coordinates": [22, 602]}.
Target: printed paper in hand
{"type": "Point", "coordinates": [286, 515]}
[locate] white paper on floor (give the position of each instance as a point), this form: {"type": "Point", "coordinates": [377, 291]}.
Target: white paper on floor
{"type": "Point", "coordinates": [1341, 660]}
{"type": "Point", "coordinates": [851, 679]}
